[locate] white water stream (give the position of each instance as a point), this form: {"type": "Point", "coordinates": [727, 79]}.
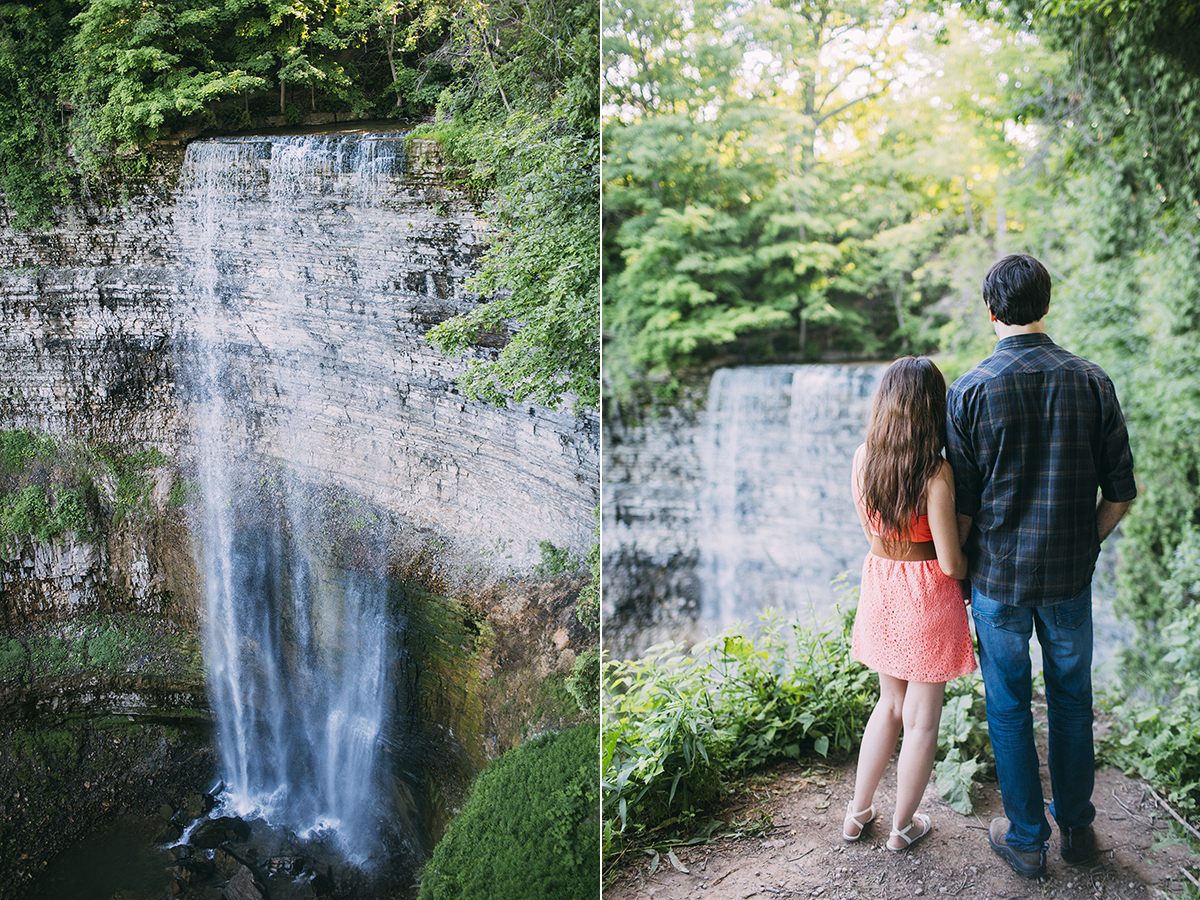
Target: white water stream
{"type": "Point", "coordinates": [296, 649]}
{"type": "Point", "coordinates": [777, 521]}
{"type": "Point", "coordinates": [778, 525]}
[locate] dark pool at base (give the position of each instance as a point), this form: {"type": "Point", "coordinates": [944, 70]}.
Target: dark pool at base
{"type": "Point", "coordinates": [120, 857]}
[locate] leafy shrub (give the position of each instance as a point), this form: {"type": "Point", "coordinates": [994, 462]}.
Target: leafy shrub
{"type": "Point", "coordinates": [587, 607]}
{"type": "Point", "coordinates": [109, 649]}
{"type": "Point", "coordinates": [1162, 744]}
{"type": "Point", "coordinates": [71, 510]}
{"type": "Point", "coordinates": [677, 722]}
{"type": "Point", "coordinates": [13, 657]}
{"type": "Point", "coordinates": [27, 513]}
{"type": "Point", "coordinates": [530, 827]}
{"type": "Point", "coordinates": [1156, 730]}
{"type": "Point", "coordinates": [554, 561]}
{"type": "Point", "coordinates": [15, 449]}
{"type": "Point", "coordinates": [583, 684]}
{"type": "Point", "coordinates": [963, 743]}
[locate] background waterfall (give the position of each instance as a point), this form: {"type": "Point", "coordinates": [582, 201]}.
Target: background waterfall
{"type": "Point", "coordinates": [722, 509]}
{"type": "Point", "coordinates": [297, 647]}
{"type": "Point", "coordinates": [777, 523]}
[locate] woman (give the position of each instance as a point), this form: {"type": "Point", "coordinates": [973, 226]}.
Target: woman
{"type": "Point", "coordinates": [911, 624]}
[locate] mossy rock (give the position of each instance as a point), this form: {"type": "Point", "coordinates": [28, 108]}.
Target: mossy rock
{"type": "Point", "coordinates": [530, 827]}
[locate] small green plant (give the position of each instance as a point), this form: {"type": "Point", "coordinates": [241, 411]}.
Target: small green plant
{"type": "Point", "coordinates": [554, 561]}
{"type": "Point", "coordinates": [109, 649]}
{"type": "Point", "coordinates": [16, 448]}
{"type": "Point", "coordinates": [530, 827]}
{"type": "Point", "coordinates": [1156, 723]}
{"type": "Point", "coordinates": [677, 722]}
{"type": "Point", "coordinates": [963, 743]}
{"type": "Point", "coordinates": [587, 606]}
{"type": "Point", "coordinates": [14, 658]}
{"type": "Point", "coordinates": [27, 513]}
{"type": "Point", "coordinates": [583, 684]}
{"type": "Point", "coordinates": [51, 655]}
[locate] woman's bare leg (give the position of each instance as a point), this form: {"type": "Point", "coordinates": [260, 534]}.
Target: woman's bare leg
{"type": "Point", "coordinates": [878, 743]}
{"type": "Point", "coordinates": [922, 714]}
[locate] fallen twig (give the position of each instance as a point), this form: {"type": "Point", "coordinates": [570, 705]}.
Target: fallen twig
{"type": "Point", "coordinates": [1189, 876]}
{"type": "Point", "coordinates": [1133, 815]}
{"type": "Point", "coordinates": [1176, 816]}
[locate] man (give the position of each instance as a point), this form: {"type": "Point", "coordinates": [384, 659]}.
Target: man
{"type": "Point", "coordinates": [1034, 433]}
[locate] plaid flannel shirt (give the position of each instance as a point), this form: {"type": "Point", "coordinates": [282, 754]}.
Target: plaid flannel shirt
{"type": "Point", "coordinates": [1032, 433]}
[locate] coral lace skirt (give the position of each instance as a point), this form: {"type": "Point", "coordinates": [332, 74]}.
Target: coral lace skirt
{"type": "Point", "coordinates": [911, 622]}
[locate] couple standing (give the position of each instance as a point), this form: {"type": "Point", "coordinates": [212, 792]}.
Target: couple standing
{"type": "Point", "coordinates": [1038, 473]}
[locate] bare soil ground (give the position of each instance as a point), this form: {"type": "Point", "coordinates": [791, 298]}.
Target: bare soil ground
{"type": "Point", "coordinates": [800, 853]}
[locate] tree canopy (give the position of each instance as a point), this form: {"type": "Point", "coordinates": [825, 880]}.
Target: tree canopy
{"type": "Point", "coordinates": [779, 190]}
{"type": "Point", "coordinates": [799, 181]}
{"type": "Point", "coordinates": [510, 89]}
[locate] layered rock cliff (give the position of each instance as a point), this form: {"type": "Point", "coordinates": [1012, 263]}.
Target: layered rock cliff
{"type": "Point", "coordinates": [333, 299]}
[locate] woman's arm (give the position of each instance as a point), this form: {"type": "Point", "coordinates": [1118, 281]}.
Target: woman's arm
{"type": "Point", "coordinates": [943, 522]}
{"type": "Point", "coordinates": [856, 489]}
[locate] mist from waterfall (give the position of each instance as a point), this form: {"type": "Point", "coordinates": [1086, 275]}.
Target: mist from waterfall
{"type": "Point", "coordinates": [296, 647]}
{"type": "Point", "coordinates": [777, 522]}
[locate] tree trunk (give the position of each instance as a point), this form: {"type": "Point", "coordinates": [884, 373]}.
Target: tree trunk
{"type": "Point", "coordinates": [391, 47]}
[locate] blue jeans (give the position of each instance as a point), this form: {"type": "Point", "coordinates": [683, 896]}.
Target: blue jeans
{"type": "Point", "coordinates": [1064, 631]}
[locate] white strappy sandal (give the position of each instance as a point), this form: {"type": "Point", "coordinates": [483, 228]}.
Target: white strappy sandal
{"type": "Point", "coordinates": [856, 818]}
{"type": "Point", "coordinates": [902, 833]}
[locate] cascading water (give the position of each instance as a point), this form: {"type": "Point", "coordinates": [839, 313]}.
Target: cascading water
{"type": "Point", "coordinates": [777, 521]}
{"type": "Point", "coordinates": [297, 649]}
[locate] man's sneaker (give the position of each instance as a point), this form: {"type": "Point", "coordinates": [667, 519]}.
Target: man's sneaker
{"type": "Point", "coordinates": [1078, 844]}
{"type": "Point", "coordinates": [1027, 863]}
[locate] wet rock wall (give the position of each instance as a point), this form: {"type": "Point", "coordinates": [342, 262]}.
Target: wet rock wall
{"type": "Point", "coordinates": [337, 380]}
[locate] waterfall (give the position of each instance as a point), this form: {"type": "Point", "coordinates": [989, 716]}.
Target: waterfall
{"type": "Point", "coordinates": [297, 643]}
{"type": "Point", "coordinates": [777, 524]}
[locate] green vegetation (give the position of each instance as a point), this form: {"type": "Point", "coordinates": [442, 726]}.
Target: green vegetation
{"type": "Point", "coordinates": [754, 215]}
{"type": "Point", "coordinates": [13, 658]}
{"type": "Point", "coordinates": [555, 562]}
{"type": "Point", "coordinates": [679, 726]}
{"type": "Point", "coordinates": [111, 76]}
{"type": "Point", "coordinates": [527, 131]}
{"type": "Point", "coordinates": [509, 89]}
{"type": "Point", "coordinates": [755, 211]}
{"type": "Point", "coordinates": [46, 488]}
{"type": "Point", "coordinates": [964, 748]}
{"type": "Point", "coordinates": [43, 753]}
{"type": "Point", "coordinates": [529, 827]}
{"type": "Point", "coordinates": [583, 683]}
{"type": "Point", "coordinates": [587, 607]}
{"type": "Point", "coordinates": [101, 645]}
{"type": "Point", "coordinates": [678, 723]}
{"type": "Point", "coordinates": [49, 486]}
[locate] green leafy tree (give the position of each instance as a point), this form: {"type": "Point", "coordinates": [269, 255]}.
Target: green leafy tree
{"type": "Point", "coordinates": [754, 203]}
{"type": "Point", "coordinates": [542, 271]}
{"type": "Point", "coordinates": [1129, 238]}
{"type": "Point", "coordinates": [143, 66]}
{"type": "Point", "coordinates": [538, 336]}
{"type": "Point", "coordinates": [35, 63]}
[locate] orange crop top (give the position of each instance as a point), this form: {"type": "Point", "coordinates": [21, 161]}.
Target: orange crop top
{"type": "Point", "coordinates": [919, 532]}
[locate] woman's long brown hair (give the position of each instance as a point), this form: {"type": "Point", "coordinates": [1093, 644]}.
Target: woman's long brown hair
{"type": "Point", "coordinates": [905, 438]}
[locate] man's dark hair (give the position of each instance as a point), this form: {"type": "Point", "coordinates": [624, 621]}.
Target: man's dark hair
{"type": "Point", "coordinates": [1017, 289]}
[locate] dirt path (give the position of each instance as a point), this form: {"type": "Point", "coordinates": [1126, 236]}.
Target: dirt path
{"type": "Point", "coordinates": [801, 854]}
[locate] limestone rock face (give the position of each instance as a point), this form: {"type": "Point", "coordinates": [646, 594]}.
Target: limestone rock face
{"type": "Point", "coordinates": [328, 286]}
